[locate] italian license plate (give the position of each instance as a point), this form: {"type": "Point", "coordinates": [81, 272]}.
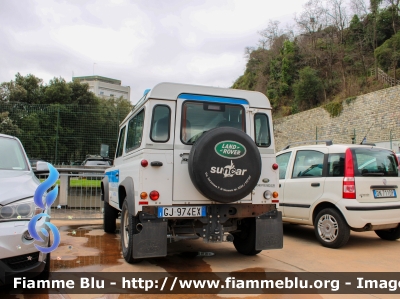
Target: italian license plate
{"type": "Point", "coordinates": [390, 193]}
{"type": "Point", "coordinates": [169, 212]}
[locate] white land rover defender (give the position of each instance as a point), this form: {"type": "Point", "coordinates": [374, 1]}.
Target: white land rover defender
{"type": "Point", "coordinates": [194, 162]}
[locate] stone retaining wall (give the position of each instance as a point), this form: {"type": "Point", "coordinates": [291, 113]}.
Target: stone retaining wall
{"type": "Point", "coordinates": [376, 114]}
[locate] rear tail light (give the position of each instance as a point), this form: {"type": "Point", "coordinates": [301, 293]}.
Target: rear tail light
{"type": "Point", "coordinates": [398, 161]}
{"type": "Point", "coordinates": [154, 195]}
{"type": "Point", "coordinates": [349, 182]}
{"type": "Point", "coordinates": [275, 166]}
{"type": "Point", "coordinates": [144, 163]}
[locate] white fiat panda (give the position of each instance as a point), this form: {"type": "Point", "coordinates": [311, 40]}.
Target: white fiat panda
{"type": "Point", "coordinates": [340, 187]}
{"type": "Point", "coordinates": [194, 162]}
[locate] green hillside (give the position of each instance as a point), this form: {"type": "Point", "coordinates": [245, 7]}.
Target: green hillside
{"type": "Point", "coordinates": [327, 57]}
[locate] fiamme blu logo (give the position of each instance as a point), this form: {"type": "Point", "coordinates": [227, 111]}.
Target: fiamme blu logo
{"type": "Point", "coordinates": [33, 227]}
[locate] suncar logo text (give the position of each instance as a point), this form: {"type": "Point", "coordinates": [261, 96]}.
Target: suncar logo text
{"type": "Point", "coordinates": [228, 171]}
{"type": "Point", "coordinates": [230, 149]}
{"type": "Point", "coordinates": [50, 198]}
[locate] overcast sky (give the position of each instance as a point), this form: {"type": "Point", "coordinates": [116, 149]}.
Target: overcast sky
{"type": "Point", "coordinates": [141, 42]}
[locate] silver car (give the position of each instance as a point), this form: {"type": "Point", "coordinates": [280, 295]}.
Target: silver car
{"type": "Point", "coordinates": [18, 184]}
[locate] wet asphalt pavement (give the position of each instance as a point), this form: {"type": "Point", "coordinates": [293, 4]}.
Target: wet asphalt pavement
{"type": "Point", "coordinates": [86, 248]}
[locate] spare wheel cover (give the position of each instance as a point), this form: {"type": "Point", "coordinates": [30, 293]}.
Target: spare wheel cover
{"type": "Point", "coordinates": [224, 164]}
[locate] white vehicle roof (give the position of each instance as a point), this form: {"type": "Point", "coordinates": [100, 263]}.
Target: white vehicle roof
{"type": "Point", "coordinates": [171, 91]}
{"type": "Point", "coordinates": [334, 148]}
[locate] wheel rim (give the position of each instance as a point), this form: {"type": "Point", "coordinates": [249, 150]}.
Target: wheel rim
{"type": "Point", "coordinates": [328, 228]}
{"type": "Point", "coordinates": [125, 229]}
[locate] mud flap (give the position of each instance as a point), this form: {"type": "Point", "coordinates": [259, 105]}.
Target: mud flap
{"type": "Point", "coordinates": [152, 239]}
{"type": "Point", "coordinates": [269, 231]}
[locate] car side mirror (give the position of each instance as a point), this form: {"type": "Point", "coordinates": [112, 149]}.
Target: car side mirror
{"type": "Point", "coordinates": [41, 167]}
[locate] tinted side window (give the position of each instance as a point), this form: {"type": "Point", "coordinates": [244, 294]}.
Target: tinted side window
{"type": "Point", "coordinates": [121, 141]}
{"type": "Point", "coordinates": [283, 161]}
{"type": "Point", "coordinates": [308, 164]}
{"type": "Point", "coordinates": [135, 131]}
{"type": "Point", "coordinates": [261, 125]}
{"type": "Point", "coordinates": [160, 123]}
{"type": "Point", "coordinates": [336, 165]}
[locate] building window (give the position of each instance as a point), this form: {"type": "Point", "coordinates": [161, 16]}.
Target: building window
{"type": "Point", "coordinates": [111, 94]}
{"type": "Point", "coordinates": [101, 93]}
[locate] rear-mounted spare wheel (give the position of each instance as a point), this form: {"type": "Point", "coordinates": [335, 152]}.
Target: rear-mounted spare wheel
{"type": "Point", "coordinates": [224, 164]}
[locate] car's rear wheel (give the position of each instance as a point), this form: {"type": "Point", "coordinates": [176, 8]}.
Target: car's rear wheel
{"type": "Point", "coordinates": [128, 229]}
{"type": "Point", "coordinates": [331, 229]}
{"type": "Point", "coordinates": [245, 240]}
{"type": "Point", "coordinates": [110, 215]}
{"type": "Point", "coordinates": [389, 234]}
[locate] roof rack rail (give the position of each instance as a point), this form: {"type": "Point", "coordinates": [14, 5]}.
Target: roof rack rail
{"type": "Point", "coordinates": [327, 142]}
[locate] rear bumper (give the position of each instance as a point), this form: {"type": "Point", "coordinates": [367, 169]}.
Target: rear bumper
{"type": "Point", "coordinates": [359, 215]}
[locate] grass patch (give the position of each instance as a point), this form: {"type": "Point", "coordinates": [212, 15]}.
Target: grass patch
{"type": "Point", "coordinates": [350, 100]}
{"type": "Point", "coordinates": [81, 183]}
{"type": "Point", "coordinates": [334, 108]}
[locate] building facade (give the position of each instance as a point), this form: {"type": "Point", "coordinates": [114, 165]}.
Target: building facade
{"type": "Point", "coordinates": [105, 87]}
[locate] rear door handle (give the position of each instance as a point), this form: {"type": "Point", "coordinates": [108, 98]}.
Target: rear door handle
{"type": "Point", "coordinates": [314, 184]}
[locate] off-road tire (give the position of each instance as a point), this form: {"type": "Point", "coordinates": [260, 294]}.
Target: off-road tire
{"type": "Point", "coordinates": [128, 229]}
{"type": "Point", "coordinates": [331, 229]}
{"type": "Point", "coordinates": [110, 215]}
{"type": "Point", "coordinates": [392, 234]}
{"type": "Point", "coordinates": [245, 240]}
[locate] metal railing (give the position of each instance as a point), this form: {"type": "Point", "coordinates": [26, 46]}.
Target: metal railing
{"type": "Point", "coordinates": [79, 194]}
{"type": "Point", "coordinates": [385, 78]}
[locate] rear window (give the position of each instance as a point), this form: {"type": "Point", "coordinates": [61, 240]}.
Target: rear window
{"type": "Point", "coordinates": [199, 117]}
{"type": "Point", "coordinates": [374, 162]}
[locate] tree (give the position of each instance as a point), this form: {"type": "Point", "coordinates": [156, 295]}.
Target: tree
{"type": "Point", "coordinates": [374, 6]}
{"type": "Point", "coordinates": [357, 46]}
{"type": "Point", "coordinates": [394, 9]}
{"type": "Point", "coordinates": [6, 125]}
{"type": "Point", "coordinates": [310, 20]}
{"type": "Point", "coordinates": [81, 95]}
{"type": "Point", "coordinates": [337, 18]}
{"type": "Point", "coordinates": [12, 92]}
{"type": "Point", "coordinates": [388, 54]}
{"type": "Point", "coordinates": [308, 89]}
{"type": "Point", "coordinates": [33, 86]}
{"type": "Point", "coordinates": [57, 91]}
{"type": "Point", "coordinates": [269, 34]}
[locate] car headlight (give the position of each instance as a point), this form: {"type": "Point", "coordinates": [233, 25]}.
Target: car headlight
{"type": "Point", "coordinates": [22, 209]}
